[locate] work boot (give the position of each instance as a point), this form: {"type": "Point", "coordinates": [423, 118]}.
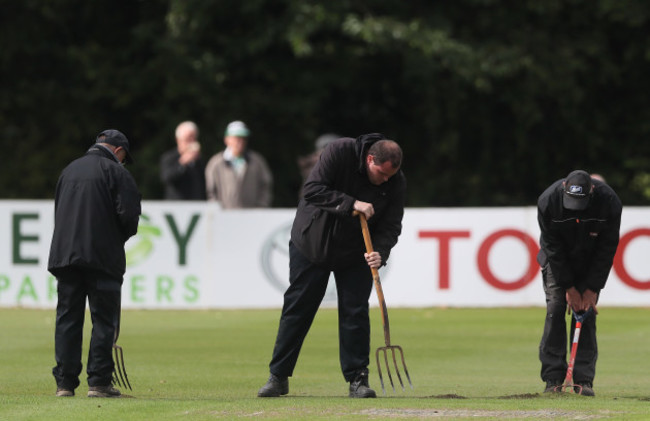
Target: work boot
{"type": "Point", "coordinates": [587, 389]}
{"type": "Point", "coordinates": [62, 392]}
{"type": "Point", "coordinates": [359, 387]}
{"type": "Point", "coordinates": [103, 392]}
{"type": "Point", "coordinates": [551, 386]}
{"type": "Point", "coordinates": [274, 387]}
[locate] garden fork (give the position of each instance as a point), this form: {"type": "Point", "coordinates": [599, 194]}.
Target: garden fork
{"type": "Point", "coordinates": [393, 349]}
{"type": "Point", "coordinates": [119, 370]}
{"type": "Point", "coordinates": [568, 384]}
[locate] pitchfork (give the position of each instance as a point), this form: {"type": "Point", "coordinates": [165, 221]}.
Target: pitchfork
{"type": "Point", "coordinates": [568, 380]}
{"type": "Point", "coordinates": [119, 370]}
{"type": "Point", "coordinates": [384, 315]}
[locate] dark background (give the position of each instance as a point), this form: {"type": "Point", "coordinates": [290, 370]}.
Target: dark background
{"type": "Point", "coordinates": [491, 100]}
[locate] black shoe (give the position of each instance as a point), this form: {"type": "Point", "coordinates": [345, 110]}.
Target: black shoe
{"type": "Point", "coordinates": [552, 386]}
{"type": "Point", "coordinates": [587, 389]}
{"type": "Point", "coordinates": [275, 387]}
{"type": "Point", "coordinates": [359, 387]}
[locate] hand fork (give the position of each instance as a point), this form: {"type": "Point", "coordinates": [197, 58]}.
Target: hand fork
{"type": "Point", "coordinates": [568, 380]}
{"type": "Point", "coordinates": [393, 349]}
{"type": "Point", "coordinates": [119, 370]}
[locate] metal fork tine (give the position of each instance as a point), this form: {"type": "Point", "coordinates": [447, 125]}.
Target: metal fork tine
{"type": "Point", "coordinates": [116, 378]}
{"type": "Point", "coordinates": [569, 387]}
{"type": "Point", "coordinates": [406, 371]}
{"type": "Point", "coordinates": [117, 368]}
{"type": "Point", "coordinates": [394, 349]}
{"type": "Point", "coordinates": [125, 378]}
{"type": "Point", "coordinates": [119, 363]}
{"type": "Point", "coordinates": [384, 314]}
{"type": "Point", "coordinates": [390, 376]}
{"type": "Point", "coordinates": [399, 376]}
{"type": "Point", "coordinates": [381, 378]}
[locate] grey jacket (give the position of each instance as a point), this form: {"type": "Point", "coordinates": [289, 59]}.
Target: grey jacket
{"type": "Point", "coordinates": [251, 190]}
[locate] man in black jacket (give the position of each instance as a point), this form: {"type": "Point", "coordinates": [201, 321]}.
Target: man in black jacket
{"type": "Point", "coordinates": [96, 209]}
{"type": "Point", "coordinates": [362, 175]}
{"type": "Point", "coordinates": [580, 219]}
{"type": "Point", "coordinates": [182, 169]}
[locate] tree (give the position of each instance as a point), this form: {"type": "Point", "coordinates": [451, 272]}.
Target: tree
{"type": "Point", "coordinates": [490, 100]}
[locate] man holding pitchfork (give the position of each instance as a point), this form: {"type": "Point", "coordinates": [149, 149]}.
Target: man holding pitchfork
{"type": "Point", "coordinates": [579, 218]}
{"type": "Point", "coordinates": [361, 175]}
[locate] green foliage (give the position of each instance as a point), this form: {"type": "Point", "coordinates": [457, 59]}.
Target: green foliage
{"type": "Point", "coordinates": [199, 365]}
{"type": "Point", "coordinates": [491, 100]}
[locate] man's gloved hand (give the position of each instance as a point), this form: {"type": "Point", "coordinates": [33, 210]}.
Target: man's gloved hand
{"type": "Point", "coordinates": [573, 300]}
{"type": "Point", "coordinates": [589, 299]}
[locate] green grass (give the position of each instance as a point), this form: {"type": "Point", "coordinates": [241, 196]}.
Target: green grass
{"type": "Point", "coordinates": [196, 365]}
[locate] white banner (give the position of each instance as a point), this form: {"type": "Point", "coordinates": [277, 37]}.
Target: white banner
{"type": "Point", "coordinates": [195, 255]}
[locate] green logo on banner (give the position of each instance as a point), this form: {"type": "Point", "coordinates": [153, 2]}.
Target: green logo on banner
{"type": "Point", "coordinates": [139, 252]}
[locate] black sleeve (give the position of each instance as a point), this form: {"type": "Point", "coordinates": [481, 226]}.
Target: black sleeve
{"type": "Point", "coordinates": [387, 229]}
{"type": "Point", "coordinates": [319, 188]}
{"type": "Point", "coordinates": [127, 203]}
{"type": "Point", "coordinates": [605, 248]}
{"type": "Point", "coordinates": [170, 169]}
{"type": "Point", "coordinates": [552, 245]}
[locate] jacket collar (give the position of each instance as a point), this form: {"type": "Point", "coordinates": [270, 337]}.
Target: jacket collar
{"type": "Point", "coordinates": [102, 150]}
{"type": "Point", "coordinates": [363, 143]}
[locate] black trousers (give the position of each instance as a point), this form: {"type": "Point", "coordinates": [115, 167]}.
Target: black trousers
{"type": "Point", "coordinates": [308, 283]}
{"type": "Point", "coordinates": [103, 294]}
{"type": "Point", "coordinates": [553, 346]}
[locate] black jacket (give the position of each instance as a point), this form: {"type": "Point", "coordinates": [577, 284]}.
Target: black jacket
{"type": "Point", "coordinates": [579, 245]}
{"type": "Point", "coordinates": [96, 209]}
{"type": "Point", "coordinates": [182, 182]}
{"type": "Point", "coordinates": [324, 229]}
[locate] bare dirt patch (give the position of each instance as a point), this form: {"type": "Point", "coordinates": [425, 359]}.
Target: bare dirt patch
{"type": "Point", "coordinates": [447, 396]}
{"type": "Point", "coordinates": [521, 396]}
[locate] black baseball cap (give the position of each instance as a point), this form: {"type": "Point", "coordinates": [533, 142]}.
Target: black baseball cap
{"type": "Point", "coordinates": [577, 190]}
{"type": "Point", "coordinates": [116, 138]}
